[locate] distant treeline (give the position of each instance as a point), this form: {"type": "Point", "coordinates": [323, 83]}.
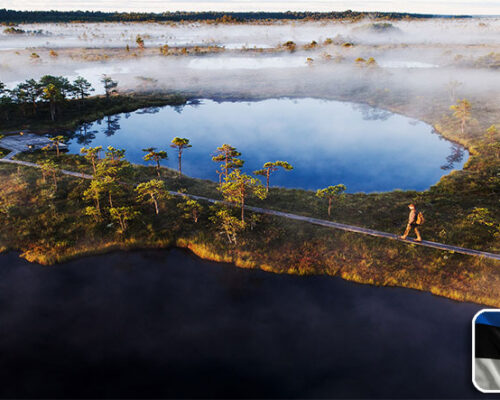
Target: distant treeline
{"type": "Point", "coordinates": [11, 16]}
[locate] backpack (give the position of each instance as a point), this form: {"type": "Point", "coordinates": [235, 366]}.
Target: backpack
{"type": "Point", "coordinates": [420, 218]}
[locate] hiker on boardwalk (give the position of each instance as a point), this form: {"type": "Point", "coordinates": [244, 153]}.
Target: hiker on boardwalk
{"type": "Point", "coordinates": [414, 220]}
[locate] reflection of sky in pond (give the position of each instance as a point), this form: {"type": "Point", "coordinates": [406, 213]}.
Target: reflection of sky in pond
{"type": "Point", "coordinates": [327, 142]}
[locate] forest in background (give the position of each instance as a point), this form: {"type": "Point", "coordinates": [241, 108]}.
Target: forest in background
{"type": "Point", "coordinates": [13, 16]}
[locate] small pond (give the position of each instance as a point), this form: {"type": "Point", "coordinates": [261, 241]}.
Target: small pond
{"type": "Point", "coordinates": [327, 142]}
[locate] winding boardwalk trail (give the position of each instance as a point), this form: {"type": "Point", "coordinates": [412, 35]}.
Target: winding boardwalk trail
{"type": "Point", "coordinates": [315, 221]}
{"type": "Point", "coordinates": [7, 159]}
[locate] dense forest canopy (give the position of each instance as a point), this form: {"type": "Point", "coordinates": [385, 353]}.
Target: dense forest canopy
{"type": "Point", "coordinates": [12, 16]}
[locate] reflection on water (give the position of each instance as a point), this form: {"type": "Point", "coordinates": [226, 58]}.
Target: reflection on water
{"type": "Point", "coordinates": [327, 142]}
{"type": "Point", "coordinates": [149, 110]}
{"type": "Point", "coordinates": [166, 324]}
{"type": "Point", "coordinates": [456, 157]}
{"type": "Point", "coordinates": [373, 114]}
{"type": "Point", "coordinates": [85, 134]}
{"type": "Point", "coordinates": [112, 124]}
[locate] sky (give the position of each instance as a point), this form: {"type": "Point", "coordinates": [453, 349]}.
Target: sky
{"type": "Point", "coordinates": [455, 7]}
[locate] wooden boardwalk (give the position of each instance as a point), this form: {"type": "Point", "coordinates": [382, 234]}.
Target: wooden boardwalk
{"type": "Point", "coordinates": [7, 159]}
{"type": "Point", "coordinates": [27, 141]}
{"type": "Point", "coordinates": [315, 221]}
{"type": "Point", "coordinates": [357, 229]}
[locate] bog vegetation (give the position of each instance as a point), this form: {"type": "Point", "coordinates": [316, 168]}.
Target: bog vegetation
{"type": "Point", "coordinates": [50, 217]}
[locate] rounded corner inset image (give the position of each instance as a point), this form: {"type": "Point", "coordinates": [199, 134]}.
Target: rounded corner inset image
{"type": "Point", "coordinates": [486, 351]}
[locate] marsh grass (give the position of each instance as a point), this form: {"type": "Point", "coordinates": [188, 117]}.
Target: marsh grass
{"type": "Point", "coordinates": [49, 225]}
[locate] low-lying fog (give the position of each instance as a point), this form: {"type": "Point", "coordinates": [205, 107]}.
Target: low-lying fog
{"type": "Point", "coordinates": [474, 31]}
{"type": "Point", "coordinates": [452, 58]}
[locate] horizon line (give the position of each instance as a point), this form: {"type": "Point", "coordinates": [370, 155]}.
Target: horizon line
{"type": "Point", "coordinates": [430, 14]}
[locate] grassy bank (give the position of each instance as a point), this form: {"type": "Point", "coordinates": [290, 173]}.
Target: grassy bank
{"type": "Point", "coordinates": [49, 225]}
{"type": "Point", "coordinates": [50, 228]}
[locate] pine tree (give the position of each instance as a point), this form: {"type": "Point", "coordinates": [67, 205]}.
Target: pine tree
{"type": "Point", "coordinates": [228, 155]}
{"type": "Point", "coordinates": [92, 154]}
{"type": "Point", "coordinates": [271, 167]}
{"type": "Point", "coordinates": [238, 187]}
{"type": "Point", "coordinates": [462, 113]}
{"type": "Point", "coordinates": [191, 209]}
{"type": "Point", "coordinates": [56, 142]}
{"type": "Point", "coordinates": [152, 192]}
{"type": "Point", "coordinates": [331, 193]}
{"type": "Point", "coordinates": [109, 85]}
{"type": "Point", "coordinates": [155, 156]}
{"type": "Point", "coordinates": [180, 144]}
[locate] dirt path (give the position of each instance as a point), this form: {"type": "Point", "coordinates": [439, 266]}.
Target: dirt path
{"type": "Point", "coordinates": [322, 222]}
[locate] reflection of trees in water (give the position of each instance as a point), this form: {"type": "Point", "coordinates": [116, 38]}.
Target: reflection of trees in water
{"type": "Point", "coordinates": [84, 135]}
{"type": "Point", "coordinates": [438, 134]}
{"type": "Point", "coordinates": [372, 114]}
{"type": "Point", "coordinates": [178, 109]}
{"type": "Point", "coordinates": [112, 125]}
{"type": "Point", "coordinates": [457, 153]}
{"type": "Point", "coordinates": [435, 132]}
{"type": "Point", "coordinates": [149, 110]}
{"type": "Point", "coordinates": [194, 102]}
{"type": "Point", "coordinates": [456, 156]}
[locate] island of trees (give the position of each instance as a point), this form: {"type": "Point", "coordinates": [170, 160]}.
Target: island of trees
{"type": "Point", "coordinates": [54, 101]}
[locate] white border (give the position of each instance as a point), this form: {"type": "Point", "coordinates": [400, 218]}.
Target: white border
{"type": "Point", "coordinates": [474, 349]}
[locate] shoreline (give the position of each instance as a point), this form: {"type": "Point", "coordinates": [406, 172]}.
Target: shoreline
{"type": "Point", "coordinates": [116, 104]}
{"type": "Point", "coordinates": [204, 254]}
{"type": "Point", "coordinates": [329, 264]}
{"type": "Point", "coordinates": [189, 97]}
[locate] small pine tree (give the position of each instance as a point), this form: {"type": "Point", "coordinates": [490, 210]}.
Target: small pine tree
{"type": "Point", "coordinates": [156, 156]}
{"type": "Point", "coordinates": [271, 167]}
{"type": "Point", "coordinates": [123, 215]}
{"type": "Point", "coordinates": [238, 187]}
{"type": "Point", "coordinates": [331, 193]}
{"type": "Point", "coordinates": [228, 155]}
{"type": "Point", "coordinates": [180, 144]}
{"type": "Point", "coordinates": [462, 111]}
{"type": "Point", "coordinates": [191, 209]}
{"type": "Point", "coordinates": [152, 192]}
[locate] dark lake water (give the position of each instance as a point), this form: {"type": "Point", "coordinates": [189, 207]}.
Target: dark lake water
{"type": "Point", "coordinates": [167, 324]}
{"type": "Point", "coordinates": [328, 142]}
